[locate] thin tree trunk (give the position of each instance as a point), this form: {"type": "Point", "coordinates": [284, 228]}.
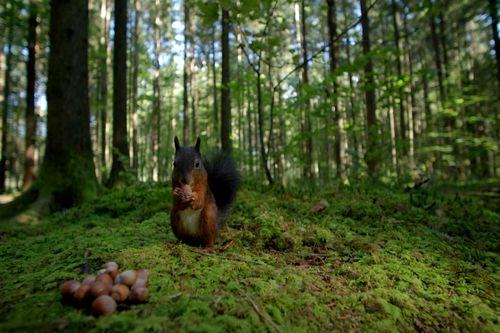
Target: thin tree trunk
{"type": "Point", "coordinates": [185, 77]}
{"type": "Point", "coordinates": [337, 114]}
{"type": "Point", "coordinates": [494, 30]}
{"type": "Point", "coordinates": [6, 102]}
{"type": "Point", "coordinates": [155, 117]}
{"type": "Point", "coordinates": [105, 52]}
{"type": "Point", "coordinates": [412, 113]}
{"type": "Point", "coordinates": [225, 91]}
{"type": "Point", "coordinates": [120, 145]}
{"type": "Point", "coordinates": [352, 105]}
{"type": "Point", "coordinates": [372, 154]}
{"type": "Point", "coordinates": [437, 58]}
{"type": "Point", "coordinates": [261, 128]}
{"type": "Point", "coordinates": [135, 74]}
{"type": "Point", "coordinates": [306, 116]}
{"type": "Point", "coordinates": [30, 139]}
{"type": "Point", "coordinates": [192, 76]}
{"type": "Point", "coordinates": [214, 90]}
{"type": "Point", "coordinates": [395, 25]}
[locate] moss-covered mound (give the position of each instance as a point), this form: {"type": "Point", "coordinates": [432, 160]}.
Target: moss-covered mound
{"type": "Point", "coordinates": [372, 260]}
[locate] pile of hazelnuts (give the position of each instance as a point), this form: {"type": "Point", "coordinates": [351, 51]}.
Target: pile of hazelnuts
{"type": "Point", "coordinates": [109, 288]}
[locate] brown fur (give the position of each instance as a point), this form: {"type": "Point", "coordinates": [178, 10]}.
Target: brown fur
{"type": "Point", "coordinates": [199, 198]}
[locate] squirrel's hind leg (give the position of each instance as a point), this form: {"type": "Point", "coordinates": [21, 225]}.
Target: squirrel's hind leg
{"type": "Point", "coordinates": [208, 226]}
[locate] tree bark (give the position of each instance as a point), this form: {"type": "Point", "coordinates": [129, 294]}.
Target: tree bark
{"type": "Point", "coordinates": [68, 173]}
{"type": "Point", "coordinates": [301, 32]}
{"type": "Point", "coordinates": [30, 138]}
{"type": "Point", "coordinates": [185, 77]}
{"type": "Point", "coordinates": [105, 51]}
{"type": "Point", "coordinates": [135, 74]}
{"type": "Point", "coordinates": [6, 104]}
{"type": "Point", "coordinates": [372, 154]}
{"type": "Point", "coordinates": [395, 25]}
{"type": "Point", "coordinates": [214, 90]}
{"type": "Point", "coordinates": [337, 114]}
{"type": "Point", "coordinates": [120, 145]}
{"type": "Point", "coordinates": [494, 30]}
{"type": "Point", "coordinates": [155, 117]}
{"type": "Point", "coordinates": [225, 90]}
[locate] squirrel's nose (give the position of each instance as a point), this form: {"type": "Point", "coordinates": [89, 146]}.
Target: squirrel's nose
{"type": "Point", "coordinates": [184, 181]}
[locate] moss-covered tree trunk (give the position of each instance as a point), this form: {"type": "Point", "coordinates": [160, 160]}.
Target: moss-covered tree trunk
{"type": "Point", "coordinates": [120, 144]}
{"type": "Point", "coordinates": [30, 139]}
{"type": "Point", "coordinates": [67, 175]}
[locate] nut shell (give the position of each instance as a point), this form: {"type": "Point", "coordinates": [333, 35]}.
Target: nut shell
{"type": "Point", "coordinates": [69, 288]}
{"type": "Point", "coordinates": [103, 305]}
{"type": "Point", "coordinates": [110, 264]}
{"type": "Point", "coordinates": [89, 279]}
{"type": "Point", "coordinates": [142, 279]}
{"type": "Point", "coordinates": [119, 293]}
{"type": "Point", "coordinates": [112, 271]}
{"type": "Point", "coordinates": [127, 277]}
{"type": "Point", "coordinates": [138, 295]}
{"type": "Point", "coordinates": [105, 278]}
{"type": "Point", "coordinates": [99, 288]}
{"type": "Point", "coordinates": [82, 294]}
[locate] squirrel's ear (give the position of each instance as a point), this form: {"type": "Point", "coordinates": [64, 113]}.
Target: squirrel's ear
{"type": "Point", "coordinates": [197, 145]}
{"type": "Point", "coordinates": [176, 142]}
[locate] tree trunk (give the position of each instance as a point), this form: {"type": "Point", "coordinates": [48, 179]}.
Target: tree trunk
{"type": "Point", "coordinates": [185, 77]}
{"type": "Point", "coordinates": [6, 104]}
{"type": "Point", "coordinates": [337, 114]}
{"type": "Point", "coordinates": [395, 25]}
{"type": "Point", "coordinates": [135, 74]}
{"type": "Point", "coordinates": [68, 173]}
{"type": "Point", "coordinates": [437, 57]}
{"type": "Point", "coordinates": [120, 145]}
{"type": "Point", "coordinates": [30, 139]}
{"type": "Point", "coordinates": [192, 79]}
{"type": "Point", "coordinates": [214, 90]}
{"type": "Point", "coordinates": [260, 116]}
{"type": "Point", "coordinates": [372, 154]}
{"type": "Point", "coordinates": [105, 50]}
{"type": "Point", "coordinates": [300, 20]}
{"type": "Point", "coordinates": [225, 91]}
{"type": "Point", "coordinates": [352, 104]}
{"type": "Point", "coordinates": [496, 39]}
{"type": "Point", "coordinates": [155, 116]}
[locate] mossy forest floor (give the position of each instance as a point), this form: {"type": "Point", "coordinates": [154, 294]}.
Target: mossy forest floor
{"type": "Point", "coordinates": [376, 259]}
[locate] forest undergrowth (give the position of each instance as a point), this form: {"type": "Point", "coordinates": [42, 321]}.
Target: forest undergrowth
{"type": "Point", "coordinates": [373, 259]}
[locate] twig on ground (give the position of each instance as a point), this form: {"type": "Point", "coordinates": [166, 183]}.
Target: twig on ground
{"type": "Point", "coordinates": [262, 315]}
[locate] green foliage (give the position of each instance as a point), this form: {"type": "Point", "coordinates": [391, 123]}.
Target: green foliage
{"type": "Point", "coordinates": [374, 260]}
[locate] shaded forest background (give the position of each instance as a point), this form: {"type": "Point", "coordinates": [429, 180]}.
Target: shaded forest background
{"type": "Point", "coordinates": [323, 91]}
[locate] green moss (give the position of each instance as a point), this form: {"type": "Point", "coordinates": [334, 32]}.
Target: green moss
{"type": "Point", "coordinates": [371, 261]}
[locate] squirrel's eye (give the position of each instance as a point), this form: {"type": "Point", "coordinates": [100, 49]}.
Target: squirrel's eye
{"type": "Point", "coordinates": [197, 164]}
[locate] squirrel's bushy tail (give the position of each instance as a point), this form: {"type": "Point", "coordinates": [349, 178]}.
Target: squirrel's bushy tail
{"type": "Point", "coordinates": [223, 180]}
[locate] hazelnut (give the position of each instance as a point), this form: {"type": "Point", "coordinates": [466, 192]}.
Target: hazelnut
{"type": "Point", "coordinates": [82, 294]}
{"type": "Point", "coordinates": [105, 278]}
{"type": "Point", "coordinates": [112, 271]}
{"type": "Point", "coordinates": [110, 264]}
{"type": "Point", "coordinates": [142, 278]}
{"type": "Point", "coordinates": [68, 288]}
{"type": "Point", "coordinates": [119, 292]}
{"type": "Point", "coordinates": [127, 277]}
{"type": "Point", "coordinates": [103, 305]}
{"type": "Point", "coordinates": [89, 280]}
{"type": "Point", "coordinates": [138, 295]}
{"type": "Point", "coordinates": [99, 288]}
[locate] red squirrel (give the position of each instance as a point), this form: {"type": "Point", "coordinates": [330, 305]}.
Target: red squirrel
{"type": "Point", "coordinates": [203, 191]}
